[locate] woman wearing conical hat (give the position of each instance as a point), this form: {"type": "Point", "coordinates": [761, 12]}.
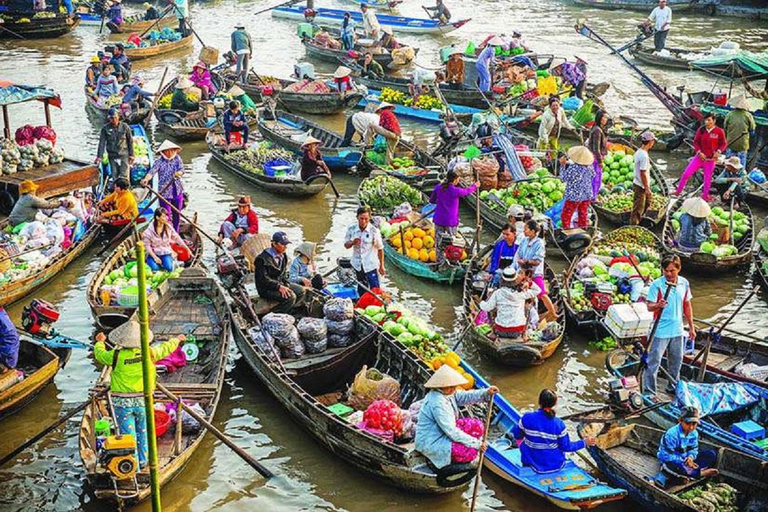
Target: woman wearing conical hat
{"type": "Point", "coordinates": [169, 169]}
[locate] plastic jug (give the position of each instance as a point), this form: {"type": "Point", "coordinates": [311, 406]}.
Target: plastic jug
{"type": "Point", "coordinates": [103, 427]}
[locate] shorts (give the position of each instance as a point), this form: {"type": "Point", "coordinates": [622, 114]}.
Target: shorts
{"type": "Point", "coordinates": [539, 280]}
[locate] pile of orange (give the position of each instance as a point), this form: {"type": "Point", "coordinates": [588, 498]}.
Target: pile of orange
{"type": "Point", "coordinates": [453, 360]}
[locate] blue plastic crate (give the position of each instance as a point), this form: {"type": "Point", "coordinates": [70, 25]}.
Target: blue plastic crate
{"type": "Point", "coordinates": [748, 430]}
{"type": "Point", "coordinates": [341, 291]}
{"type": "Point", "coordinates": [273, 167]}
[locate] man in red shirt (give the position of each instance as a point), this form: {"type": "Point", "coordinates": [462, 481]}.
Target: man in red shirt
{"type": "Point", "coordinates": [390, 127]}
{"type": "Point", "coordinates": [708, 143]}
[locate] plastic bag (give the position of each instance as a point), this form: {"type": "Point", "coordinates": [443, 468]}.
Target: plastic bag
{"type": "Point", "coordinates": [292, 348]}
{"type": "Point", "coordinates": [461, 453]}
{"type": "Point", "coordinates": [287, 338]}
{"type": "Point", "coordinates": [340, 340]}
{"type": "Point", "coordinates": [370, 385]}
{"type": "Point", "coordinates": [44, 132]}
{"type": "Point", "coordinates": [278, 325]}
{"type": "Point", "coordinates": [339, 309]}
{"type": "Point", "coordinates": [387, 435]}
{"type": "Point", "coordinates": [415, 409]}
{"type": "Point", "coordinates": [343, 327]}
{"type": "Point", "coordinates": [315, 346]}
{"type": "Point", "coordinates": [25, 135]}
{"type": "Point", "coordinates": [312, 329]}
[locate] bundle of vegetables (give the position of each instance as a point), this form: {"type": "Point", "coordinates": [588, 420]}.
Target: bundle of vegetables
{"type": "Point", "coordinates": [584, 116]}
{"type": "Point", "coordinates": [383, 192]}
{"type": "Point", "coordinates": [166, 35]}
{"type": "Point", "coordinates": [376, 157]}
{"type": "Point", "coordinates": [424, 101]}
{"type": "Point", "coordinates": [253, 159]}
{"type": "Point", "coordinates": [522, 88]}
{"type": "Point", "coordinates": [126, 276]}
{"type": "Point", "coordinates": [414, 242]}
{"type": "Point", "coordinates": [541, 193]}
{"type": "Point", "coordinates": [140, 151]}
{"type": "Point", "coordinates": [10, 155]}
{"type": "Point", "coordinates": [712, 497]}
{"type": "Point", "coordinates": [461, 453]}
{"type": "Point", "coordinates": [605, 345]}
{"type": "Point", "coordinates": [111, 101]}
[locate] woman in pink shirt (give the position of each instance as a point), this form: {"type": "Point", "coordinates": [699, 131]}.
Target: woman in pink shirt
{"type": "Point", "coordinates": [159, 239]}
{"type": "Point", "coordinates": [708, 143]}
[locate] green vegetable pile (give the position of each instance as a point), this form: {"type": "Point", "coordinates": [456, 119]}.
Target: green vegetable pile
{"type": "Point", "coordinates": [711, 497]}
{"type": "Point", "coordinates": [541, 193]}
{"type": "Point", "coordinates": [605, 345]}
{"type": "Point", "coordinates": [622, 202]}
{"type": "Point", "coordinates": [722, 219]}
{"type": "Point", "coordinates": [126, 276]}
{"type": "Point", "coordinates": [253, 160]}
{"type": "Point", "coordinates": [384, 192]}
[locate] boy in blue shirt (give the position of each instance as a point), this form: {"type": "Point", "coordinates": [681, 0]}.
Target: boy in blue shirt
{"type": "Point", "coordinates": [679, 450]}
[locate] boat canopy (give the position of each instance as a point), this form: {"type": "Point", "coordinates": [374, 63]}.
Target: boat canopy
{"type": "Point", "coordinates": [716, 398]}
{"type": "Point", "coordinates": [11, 93]}
{"type": "Point", "coordinates": [753, 65]}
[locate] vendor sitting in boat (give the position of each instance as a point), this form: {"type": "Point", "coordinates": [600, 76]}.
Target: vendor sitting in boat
{"type": "Point", "coordinates": [120, 205]}
{"type": "Point", "coordinates": [454, 68]}
{"type": "Point", "coordinates": [234, 120]}
{"type": "Point", "coordinates": [509, 303]}
{"type": "Point", "coordinates": [9, 343]}
{"type": "Point", "coordinates": [93, 72]}
{"type": "Point", "coordinates": [29, 204]}
{"type": "Point", "coordinates": [201, 77]}
{"type": "Point", "coordinates": [134, 96]}
{"type": "Point", "coordinates": [121, 63]}
{"type": "Point", "coordinates": [342, 82]}
{"type": "Point", "coordinates": [241, 224]}
{"type": "Point", "coordinates": [544, 439]}
{"type": "Point", "coordinates": [179, 100]}
{"type": "Point", "coordinates": [731, 183]}
{"type": "Point", "coordinates": [388, 41]}
{"type": "Point", "coordinates": [371, 68]}
{"type": "Point", "coordinates": [695, 227]}
{"type": "Point", "coordinates": [679, 453]}
{"type": "Point", "coordinates": [106, 84]}
{"type": "Point", "coordinates": [312, 162]}
{"type": "Point", "coordinates": [503, 254]}
{"type": "Point", "coordinates": [303, 269]}
{"type": "Point", "coordinates": [115, 17]}
{"type": "Point", "coordinates": [436, 429]}
{"type": "Point", "coordinates": [162, 242]}
{"type": "Point", "coordinates": [271, 276]}
{"type": "Point", "coordinates": [150, 13]}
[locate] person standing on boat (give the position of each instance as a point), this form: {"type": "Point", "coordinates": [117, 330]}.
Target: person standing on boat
{"type": "Point", "coordinates": [312, 162]}
{"type": "Point", "coordinates": [485, 62]}
{"type": "Point", "coordinates": [739, 125]}
{"type": "Point", "coordinates": [679, 453]}
{"type": "Point", "coordinates": [708, 143]}
{"type": "Point", "coordinates": [169, 169]}
{"type": "Point", "coordinates": [389, 128]}
{"type": "Point", "coordinates": [367, 250]}
{"type": "Point", "coordinates": [234, 120]}
{"type": "Point", "coordinates": [544, 438]}
{"type": "Point", "coordinates": [436, 428]}
{"type": "Point", "coordinates": [553, 120]}
{"type": "Point", "coordinates": [28, 204]}
{"type": "Point", "coordinates": [731, 183]}
{"type": "Point", "coordinates": [366, 124]}
{"type": "Point", "coordinates": [661, 17]}
{"type": "Point", "coordinates": [454, 68]}
{"type": "Point", "coordinates": [348, 32]}
{"type": "Point", "coordinates": [578, 177]}
{"type": "Point", "coordinates": [370, 22]}
{"type": "Point", "coordinates": [241, 224]}
{"type": "Point", "coordinates": [162, 241]}
{"type": "Point", "coordinates": [598, 145]}
{"type": "Point", "coordinates": [669, 313]}
{"type": "Point", "coordinates": [242, 47]}
{"type": "Point", "coordinates": [641, 185]}
{"type": "Point", "coordinates": [445, 196]}
{"type": "Point", "coordinates": [150, 12]}
{"type": "Point", "coordinates": [271, 276]}
{"type": "Point", "coordinates": [116, 139]}
{"type": "Point", "coordinates": [9, 342]}
{"type": "Point", "coordinates": [442, 14]}
{"type": "Point", "coordinates": [529, 258]}
{"type": "Point", "coordinates": [181, 10]}
{"type": "Point", "coordinates": [126, 383]}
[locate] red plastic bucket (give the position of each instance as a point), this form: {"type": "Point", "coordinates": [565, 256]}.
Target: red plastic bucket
{"type": "Point", "coordinates": [162, 422]}
{"type": "Point", "coordinates": [720, 98]}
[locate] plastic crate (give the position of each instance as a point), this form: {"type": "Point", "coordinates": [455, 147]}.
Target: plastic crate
{"type": "Point", "coordinates": [341, 291]}
{"type": "Point", "coordinates": [275, 167]}
{"type": "Point", "coordinates": [748, 430]}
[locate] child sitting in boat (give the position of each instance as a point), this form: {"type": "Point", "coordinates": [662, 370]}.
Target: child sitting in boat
{"type": "Point", "coordinates": [679, 453]}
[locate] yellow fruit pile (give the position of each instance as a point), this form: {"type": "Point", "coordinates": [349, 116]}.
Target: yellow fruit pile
{"type": "Point", "coordinates": [453, 360]}
{"type": "Point", "coordinates": [419, 244]}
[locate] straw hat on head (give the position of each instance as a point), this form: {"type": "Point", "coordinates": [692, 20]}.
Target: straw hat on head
{"type": "Point", "coordinates": [235, 91]}
{"type": "Point", "coordinates": [495, 41]}
{"type": "Point", "coordinates": [309, 141]}
{"type": "Point", "coordinates": [341, 72]}
{"type": "Point", "coordinates": [740, 102]}
{"type": "Point", "coordinates": [734, 162]}
{"type": "Point", "coordinates": [306, 249]}
{"type": "Point", "coordinates": [387, 30]}
{"type": "Point", "coordinates": [128, 335]}
{"type": "Point", "coordinates": [166, 145]}
{"type": "Point", "coordinates": [696, 207]}
{"type": "Point", "coordinates": [27, 186]}
{"type": "Point", "coordinates": [445, 377]}
{"type": "Point", "coordinates": [581, 155]}
{"type": "Point", "coordinates": [146, 5]}
{"type": "Point", "coordinates": [508, 275]}
{"type": "Point", "coordinates": [184, 83]}
{"type": "Point", "coordinates": [384, 105]}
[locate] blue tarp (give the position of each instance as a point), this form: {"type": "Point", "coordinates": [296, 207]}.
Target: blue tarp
{"type": "Point", "coordinates": [11, 93]}
{"type": "Point", "coordinates": [717, 398]}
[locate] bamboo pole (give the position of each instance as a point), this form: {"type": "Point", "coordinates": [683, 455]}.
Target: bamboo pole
{"type": "Point", "coordinates": [488, 417]}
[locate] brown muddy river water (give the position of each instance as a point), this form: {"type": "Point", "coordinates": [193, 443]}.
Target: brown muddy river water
{"type": "Point", "coordinates": [50, 476]}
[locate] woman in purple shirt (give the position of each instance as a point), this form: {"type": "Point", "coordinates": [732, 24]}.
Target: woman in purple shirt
{"type": "Point", "coordinates": [446, 197]}
{"type": "Point", "coordinates": [169, 169]}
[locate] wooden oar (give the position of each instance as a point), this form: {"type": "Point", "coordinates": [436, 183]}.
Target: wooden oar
{"type": "Point", "coordinates": [488, 416]}
{"type": "Point", "coordinates": [11, 32]}
{"type": "Point", "coordinates": [290, 2]}
{"type": "Point", "coordinates": [708, 346]}
{"type": "Point", "coordinates": [191, 222]}
{"type": "Point", "coordinates": [219, 435]}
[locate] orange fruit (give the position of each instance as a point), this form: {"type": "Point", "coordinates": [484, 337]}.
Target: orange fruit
{"type": "Point", "coordinates": [429, 242]}
{"type": "Point", "coordinates": [418, 233]}
{"type": "Point", "coordinates": [417, 243]}
{"type": "Point", "coordinates": [413, 254]}
{"type": "Point", "coordinates": [423, 255]}
{"type": "Point", "coordinates": [396, 241]}
{"type": "Point", "coordinates": [408, 235]}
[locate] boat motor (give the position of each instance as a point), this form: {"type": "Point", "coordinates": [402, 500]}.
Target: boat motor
{"type": "Point", "coordinates": [118, 456]}
{"type": "Point", "coordinates": [453, 249]}
{"type": "Point", "coordinates": [38, 318]}
{"type": "Point", "coordinates": [625, 394]}
{"type": "Point", "coordinates": [230, 271]}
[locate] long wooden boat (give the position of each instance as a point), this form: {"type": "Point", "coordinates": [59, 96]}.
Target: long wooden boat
{"type": "Point", "coordinates": [716, 426]}
{"type": "Point", "coordinates": [136, 117]}
{"type": "Point", "coordinates": [430, 172]}
{"type": "Point", "coordinates": [674, 60]}
{"type": "Point", "coordinates": [334, 17]}
{"type": "Point", "coordinates": [505, 351]}
{"type": "Point", "coordinates": [333, 55]}
{"type": "Point", "coordinates": [634, 5]}
{"type": "Point", "coordinates": [587, 319]}
{"type": "Point", "coordinates": [454, 273]}
{"type": "Point", "coordinates": [703, 262]}
{"type": "Point", "coordinates": [626, 455]}
{"type": "Point", "coordinates": [728, 354]}
{"type": "Point", "coordinates": [37, 28]}
{"type": "Point", "coordinates": [147, 52]}
{"type": "Point", "coordinates": [39, 365]}
{"type": "Point", "coordinates": [137, 23]}
{"type": "Point", "coordinates": [421, 114]}
{"type": "Point", "coordinates": [289, 186]}
{"type": "Point", "coordinates": [289, 131]}
{"type": "Point", "coordinates": [176, 309]}
{"type": "Point", "coordinates": [456, 94]}
{"type": "Point", "coordinates": [110, 316]}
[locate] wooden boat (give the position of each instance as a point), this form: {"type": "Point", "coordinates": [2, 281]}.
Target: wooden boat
{"type": "Point", "coordinates": [673, 61]}
{"type": "Point", "coordinates": [429, 173]}
{"type": "Point", "coordinates": [39, 366]}
{"type": "Point", "coordinates": [455, 94]}
{"type": "Point", "coordinates": [137, 23]}
{"type": "Point", "coordinates": [333, 55]}
{"type": "Point", "coordinates": [453, 273]}
{"type": "Point", "coordinates": [401, 24]}
{"type": "Point", "coordinates": [297, 102]}
{"type": "Point", "coordinates": [626, 455]}
{"type": "Point", "coordinates": [147, 52]}
{"type": "Point", "coordinates": [420, 114]}
{"type": "Point", "coordinates": [703, 262]}
{"type": "Point", "coordinates": [716, 427]}
{"type": "Point", "coordinates": [587, 319]}
{"type": "Point", "coordinates": [289, 186]}
{"type": "Point", "coordinates": [136, 117]}
{"type": "Point", "coordinates": [634, 5]}
{"type": "Point", "coordinates": [110, 316]}
{"type": "Point", "coordinates": [500, 350]}
{"type": "Point", "coordinates": [289, 131]}
{"type": "Point", "coordinates": [37, 28]}
{"type": "Point", "coordinates": [728, 353]}
{"type": "Point", "coordinates": [194, 305]}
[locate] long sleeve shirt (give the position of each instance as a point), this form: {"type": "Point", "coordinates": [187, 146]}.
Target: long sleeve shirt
{"type": "Point", "coordinates": [106, 86]}
{"type": "Point", "coordinates": [737, 126]}
{"type": "Point", "coordinates": [9, 341]}
{"type": "Point", "coordinates": [125, 205]}
{"type": "Point", "coordinates": [693, 232]}
{"type": "Point", "coordinates": [436, 428]}
{"type": "Point", "coordinates": [240, 41]}
{"type": "Point", "coordinates": [160, 245]}
{"type": "Point", "coordinates": [454, 71]}
{"type": "Point", "coordinates": [710, 141]}
{"type": "Point", "coordinates": [486, 57]}
{"type": "Point", "coordinates": [27, 207]}
{"type": "Point", "coordinates": [117, 141]}
{"type": "Point", "coordinates": [510, 305]}
{"type": "Point", "coordinates": [545, 441]}
{"type": "Point", "coordinates": [502, 252]}
{"type": "Point", "coordinates": [598, 143]}
{"type": "Point", "coordinates": [249, 222]}
{"type": "Point", "coordinates": [728, 175]}
{"type": "Point", "coordinates": [229, 118]}
{"type": "Point", "coordinates": [578, 182]}
{"type": "Point", "coordinates": [127, 373]}
{"type": "Point", "coordinates": [551, 124]}
{"type": "Point", "coordinates": [135, 92]}
{"type": "Point", "coordinates": [299, 270]}
{"type": "Point", "coordinates": [371, 22]}
{"type": "Point", "coordinates": [446, 201]}
{"type": "Point", "coordinates": [166, 175]}
{"type": "Point", "coordinates": [531, 249]}
{"type": "Point", "coordinates": [364, 123]}
{"type": "Point", "coordinates": [676, 446]}
{"type": "Point", "coordinates": [389, 122]}
{"type": "Point", "coordinates": [270, 271]}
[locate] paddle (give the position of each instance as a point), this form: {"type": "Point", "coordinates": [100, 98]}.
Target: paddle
{"type": "Point", "coordinates": [716, 334]}
{"type": "Point", "coordinates": [157, 94]}
{"type": "Point", "coordinates": [471, 321]}
{"type": "Point", "coordinates": [290, 2]}
{"type": "Point", "coordinates": [488, 416]}
{"type": "Point", "coordinates": [622, 417]}
{"type": "Point", "coordinates": [219, 435]}
{"type": "Point", "coordinates": [656, 322]}
{"type": "Point", "coordinates": [11, 32]}
{"type": "Point", "coordinates": [165, 13]}
{"type": "Point", "coordinates": [191, 222]}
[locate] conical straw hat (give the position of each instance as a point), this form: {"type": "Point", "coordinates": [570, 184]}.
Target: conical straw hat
{"type": "Point", "coordinates": [696, 207]}
{"type": "Point", "coordinates": [128, 335]}
{"type": "Point", "coordinates": [581, 155]}
{"type": "Point", "coordinates": [445, 377]}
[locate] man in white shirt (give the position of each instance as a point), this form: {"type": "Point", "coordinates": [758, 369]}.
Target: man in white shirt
{"type": "Point", "coordinates": [370, 22]}
{"type": "Point", "coordinates": [367, 250]}
{"type": "Point", "coordinates": [641, 186]}
{"type": "Point", "coordinates": [661, 17]}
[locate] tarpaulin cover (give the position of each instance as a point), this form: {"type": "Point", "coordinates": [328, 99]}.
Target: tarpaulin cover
{"type": "Point", "coordinates": [754, 65]}
{"type": "Point", "coordinates": [761, 116]}
{"type": "Point", "coordinates": [716, 398]}
{"type": "Point", "coordinates": [514, 165]}
{"type": "Point", "coordinates": [11, 93]}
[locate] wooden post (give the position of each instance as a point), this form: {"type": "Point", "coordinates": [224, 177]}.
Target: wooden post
{"type": "Point", "coordinates": [47, 113]}
{"type": "Point", "coordinates": [6, 123]}
{"type": "Point", "coordinates": [179, 411]}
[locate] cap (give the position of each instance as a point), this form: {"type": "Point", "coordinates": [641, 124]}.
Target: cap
{"type": "Point", "coordinates": [113, 113]}
{"type": "Point", "coordinates": [648, 136]}
{"type": "Point", "coordinates": [690, 415]}
{"type": "Point", "coordinates": [516, 210]}
{"type": "Point", "coordinates": [280, 238]}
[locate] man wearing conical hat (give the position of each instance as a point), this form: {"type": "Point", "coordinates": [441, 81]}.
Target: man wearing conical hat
{"type": "Point", "coordinates": [739, 124]}
{"type": "Point", "coordinates": [126, 382]}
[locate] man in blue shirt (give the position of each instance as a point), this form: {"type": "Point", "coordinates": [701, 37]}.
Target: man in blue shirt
{"type": "Point", "coordinates": [679, 450]}
{"type": "Point", "coordinates": [234, 121]}
{"type": "Point", "coordinates": [669, 334]}
{"type": "Point", "coordinates": [544, 439]}
{"type": "Point", "coordinates": [503, 254]}
{"type": "Point", "coordinates": [134, 95]}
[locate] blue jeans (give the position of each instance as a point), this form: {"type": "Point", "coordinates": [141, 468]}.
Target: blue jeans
{"type": "Point", "coordinates": [242, 67]}
{"type": "Point", "coordinates": [741, 154]}
{"type": "Point", "coordinates": [133, 421]}
{"type": "Point", "coordinates": [369, 279]}
{"type": "Point", "coordinates": [347, 41]}
{"type": "Point", "coordinates": [166, 260]}
{"type": "Point", "coordinates": [655, 354]}
{"type": "Point", "coordinates": [9, 341]}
